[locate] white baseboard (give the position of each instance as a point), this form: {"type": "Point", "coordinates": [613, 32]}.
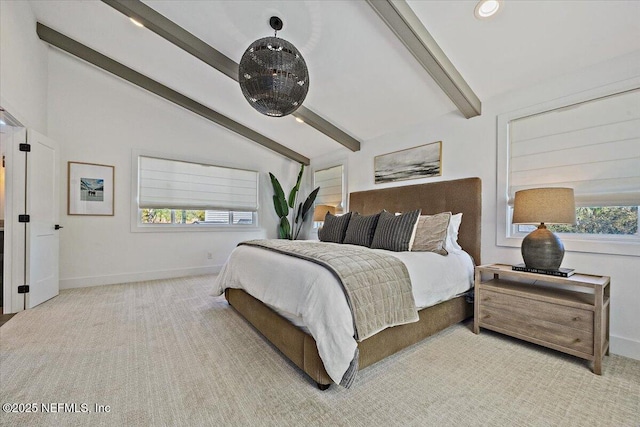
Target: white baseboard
{"type": "Point", "coordinates": [625, 347]}
{"type": "Point", "coordinates": [84, 282]}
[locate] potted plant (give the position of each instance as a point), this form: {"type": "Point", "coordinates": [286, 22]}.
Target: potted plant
{"type": "Point", "coordinates": [290, 229]}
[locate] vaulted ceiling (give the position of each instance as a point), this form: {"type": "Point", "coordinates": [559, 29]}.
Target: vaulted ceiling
{"type": "Point", "coordinates": [362, 78]}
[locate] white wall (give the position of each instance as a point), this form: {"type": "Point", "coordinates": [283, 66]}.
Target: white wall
{"type": "Point", "coordinates": [99, 118]}
{"type": "Point", "coordinates": [469, 149]}
{"type": "Point", "coordinates": [23, 66]}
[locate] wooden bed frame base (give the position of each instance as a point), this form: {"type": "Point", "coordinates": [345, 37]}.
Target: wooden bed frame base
{"type": "Point", "coordinates": [301, 348]}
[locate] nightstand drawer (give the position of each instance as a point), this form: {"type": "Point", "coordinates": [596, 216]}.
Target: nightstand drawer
{"type": "Point", "coordinates": [562, 315]}
{"type": "Point", "coordinates": [541, 330]}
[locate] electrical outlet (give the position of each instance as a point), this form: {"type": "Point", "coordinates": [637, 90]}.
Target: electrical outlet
{"type": "Point", "coordinates": [209, 255]}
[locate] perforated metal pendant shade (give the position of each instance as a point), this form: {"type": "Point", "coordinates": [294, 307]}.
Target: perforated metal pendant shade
{"type": "Point", "coordinates": [273, 76]}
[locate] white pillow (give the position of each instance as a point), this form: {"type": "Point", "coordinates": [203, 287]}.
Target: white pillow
{"type": "Point", "coordinates": [451, 242]}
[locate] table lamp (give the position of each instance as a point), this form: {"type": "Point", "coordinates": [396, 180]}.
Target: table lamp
{"type": "Point", "coordinates": [541, 249]}
{"type": "Point", "coordinates": [321, 211]}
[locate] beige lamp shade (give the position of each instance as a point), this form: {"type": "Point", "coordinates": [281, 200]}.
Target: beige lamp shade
{"type": "Point", "coordinates": [321, 211]}
{"type": "Point", "coordinates": [544, 205]}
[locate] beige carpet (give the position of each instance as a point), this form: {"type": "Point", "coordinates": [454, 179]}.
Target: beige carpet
{"type": "Point", "coordinates": [168, 353]}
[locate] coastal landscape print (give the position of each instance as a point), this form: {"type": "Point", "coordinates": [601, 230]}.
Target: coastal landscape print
{"type": "Point", "coordinates": [418, 162]}
{"type": "Point", "coordinates": [91, 189]}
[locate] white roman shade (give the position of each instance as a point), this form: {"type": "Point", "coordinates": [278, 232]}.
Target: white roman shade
{"type": "Point", "coordinates": [592, 147]}
{"type": "Point", "coordinates": [175, 184]}
{"type": "Point", "coordinates": [330, 183]}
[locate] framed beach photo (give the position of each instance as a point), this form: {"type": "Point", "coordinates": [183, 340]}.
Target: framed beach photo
{"type": "Point", "coordinates": [90, 189]}
{"type": "Point", "coordinates": [423, 161]}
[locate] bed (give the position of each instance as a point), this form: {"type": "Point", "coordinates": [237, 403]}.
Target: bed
{"type": "Point", "coordinates": [297, 343]}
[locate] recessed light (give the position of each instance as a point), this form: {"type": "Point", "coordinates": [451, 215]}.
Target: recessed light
{"type": "Point", "coordinates": [136, 22]}
{"type": "Point", "coordinates": [487, 8]}
{"type": "Point", "coordinates": [299, 120]}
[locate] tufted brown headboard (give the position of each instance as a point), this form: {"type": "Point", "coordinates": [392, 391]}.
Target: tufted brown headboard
{"type": "Point", "coordinates": [460, 195]}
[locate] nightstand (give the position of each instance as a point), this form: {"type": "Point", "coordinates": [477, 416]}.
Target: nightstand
{"type": "Point", "coordinates": [568, 314]}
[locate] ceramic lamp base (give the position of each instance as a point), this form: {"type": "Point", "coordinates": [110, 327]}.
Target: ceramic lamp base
{"type": "Point", "coordinates": [542, 249]}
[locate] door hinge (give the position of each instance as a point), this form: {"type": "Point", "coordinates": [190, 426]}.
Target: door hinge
{"type": "Point", "coordinates": [24, 218]}
{"type": "Point", "coordinates": [23, 289]}
{"type": "Point", "coordinates": [25, 147]}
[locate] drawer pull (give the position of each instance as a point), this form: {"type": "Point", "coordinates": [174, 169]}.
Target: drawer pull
{"type": "Point", "coordinates": [487, 299]}
{"type": "Point", "coordinates": [577, 340]}
{"type": "Point", "coordinates": [487, 316]}
{"type": "Point", "coordinates": [575, 319]}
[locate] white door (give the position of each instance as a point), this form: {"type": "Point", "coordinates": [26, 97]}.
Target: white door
{"type": "Point", "coordinates": [42, 205]}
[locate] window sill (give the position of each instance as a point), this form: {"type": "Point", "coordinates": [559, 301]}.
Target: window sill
{"type": "Point", "coordinates": [181, 228]}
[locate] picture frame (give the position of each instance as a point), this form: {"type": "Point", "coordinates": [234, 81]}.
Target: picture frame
{"type": "Point", "coordinates": [423, 161]}
{"type": "Point", "coordinates": [90, 189]}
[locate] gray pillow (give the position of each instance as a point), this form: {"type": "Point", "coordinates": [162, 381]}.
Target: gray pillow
{"type": "Point", "coordinates": [431, 233]}
{"type": "Point", "coordinates": [361, 229]}
{"type": "Point", "coordinates": [334, 228]}
{"type": "Point", "coordinates": [395, 232]}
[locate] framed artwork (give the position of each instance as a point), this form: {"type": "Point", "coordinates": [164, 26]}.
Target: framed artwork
{"type": "Point", "coordinates": [90, 189]}
{"type": "Point", "coordinates": [418, 162]}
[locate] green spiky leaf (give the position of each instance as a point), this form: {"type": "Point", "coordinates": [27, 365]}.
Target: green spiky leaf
{"type": "Point", "coordinates": [284, 229]}
{"type": "Point", "coordinates": [308, 203]}
{"type": "Point", "coordinates": [279, 202]}
{"type": "Point", "coordinates": [277, 188]}
{"type": "Point", "coordinates": [294, 190]}
{"type": "Point", "coordinates": [299, 213]}
{"type": "Point", "coordinates": [280, 206]}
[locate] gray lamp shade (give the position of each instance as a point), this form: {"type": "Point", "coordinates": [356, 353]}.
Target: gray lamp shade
{"type": "Point", "coordinates": [273, 76]}
{"type": "Point", "coordinates": [541, 249]}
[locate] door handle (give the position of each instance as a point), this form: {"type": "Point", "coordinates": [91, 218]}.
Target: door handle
{"type": "Point", "coordinates": [58, 227]}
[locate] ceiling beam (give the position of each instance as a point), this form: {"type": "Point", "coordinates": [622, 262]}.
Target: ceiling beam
{"type": "Point", "coordinates": [180, 37]}
{"type": "Point", "coordinates": [322, 125]}
{"type": "Point", "coordinates": [409, 29]}
{"type": "Point", "coordinates": [85, 53]}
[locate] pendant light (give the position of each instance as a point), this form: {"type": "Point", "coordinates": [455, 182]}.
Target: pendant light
{"type": "Point", "coordinates": [273, 75]}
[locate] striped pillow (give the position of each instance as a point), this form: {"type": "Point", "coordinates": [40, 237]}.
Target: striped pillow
{"type": "Point", "coordinates": [334, 228]}
{"type": "Point", "coordinates": [395, 232]}
{"type": "Point", "coordinates": [361, 229]}
{"type": "Point", "coordinates": [431, 233]}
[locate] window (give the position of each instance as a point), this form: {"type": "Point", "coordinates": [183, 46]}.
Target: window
{"type": "Point", "coordinates": [331, 183]}
{"type": "Point", "coordinates": [592, 146]}
{"type": "Point", "coordinates": [603, 220]}
{"type": "Point", "coordinates": [206, 217]}
{"type": "Point", "coordinates": [176, 193]}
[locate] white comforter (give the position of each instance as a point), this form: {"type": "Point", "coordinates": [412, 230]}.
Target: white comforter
{"type": "Point", "coordinates": [312, 298]}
